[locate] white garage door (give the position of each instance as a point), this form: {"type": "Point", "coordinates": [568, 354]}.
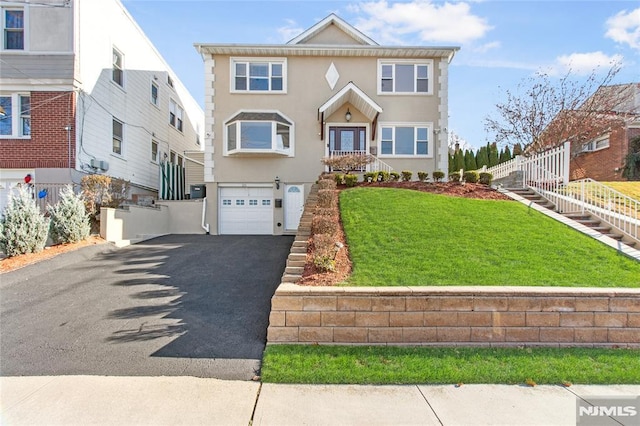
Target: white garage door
{"type": "Point", "coordinates": [246, 211]}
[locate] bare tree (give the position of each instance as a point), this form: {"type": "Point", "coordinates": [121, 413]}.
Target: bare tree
{"type": "Point", "coordinates": [544, 113]}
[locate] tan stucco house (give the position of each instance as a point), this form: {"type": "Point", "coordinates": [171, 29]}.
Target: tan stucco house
{"type": "Point", "coordinates": [272, 112]}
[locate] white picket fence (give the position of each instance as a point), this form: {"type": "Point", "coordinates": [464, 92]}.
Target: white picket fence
{"type": "Point", "coordinates": [547, 173]}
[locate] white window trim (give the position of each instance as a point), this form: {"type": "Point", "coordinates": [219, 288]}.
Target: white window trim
{"type": "Point", "coordinates": [427, 62]}
{"type": "Point", "coordinates": [16, 116]}
{"type": "Point", "coordinates": [122, 144]}
{"type": "Point", "coordinates": [225, 147]}
{"type": "Point", "coordinates": [124, 80]}
{"type": "Point", "coordinates": [430, 139]}
{"type": "Point", "coordinates": [25, 34]}
{"type": "Point", "coordinates": [155, 160]}
{"type": "Point", "coordinates": [179, 107]}
{"type": "Point", "coordinates": [594, 143]}
{"type": "Point", "coordinates": [269, 60]}
{"type": "Point", "coordinates": [157, 86]}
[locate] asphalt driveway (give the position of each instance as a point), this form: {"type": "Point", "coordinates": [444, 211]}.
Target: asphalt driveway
{"type": "Point", "coordinates": [179, 305]}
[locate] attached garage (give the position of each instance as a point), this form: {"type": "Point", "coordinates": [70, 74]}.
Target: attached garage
{"type": "Point", "coordinates": [246, 210]}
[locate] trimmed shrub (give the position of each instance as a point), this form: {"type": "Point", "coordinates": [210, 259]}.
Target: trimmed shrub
{"type": "Point", "coordinates": [370, 176]}
{"type": "Point", "coordinates": [394, 176]}
{"type": "Point", "coordinates": [423, 176]}
{"type": "Point", "coordinates": [454, 177]}
{"type": "Point", "coordinates": [383, 176]}
{"type": "Point", "coordinates": [69, 218]}
{"type": "Point", "coordinates": [338, 178]}
{"type": "Point", "coordinates": [406, 175]}
{"type": "Point", "coordinates": [470, 176]}
{"type": "Point", "coordinates": [438, 175]}
{"type": "Point", "coordinates": [327, 184]}
{"type": "Point", "coordinates": [326, 198]}
{"type": "Point", "coordinates": [350, 180]}
{"type": "Point", "coordinates": [485, 178]}
{"type": "Point", "coordinates": [325, 252]}
{"type": "Point", "coordinates": [324, 225]}
{"type": "Point", "coordinates": [23, 229]}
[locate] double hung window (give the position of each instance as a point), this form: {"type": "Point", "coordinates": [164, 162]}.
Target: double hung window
{"type": "Point", "coordinates": [118, 137]}
{"type": "Point", "coordinates": [13, 29]}
{"type": "Point", "coordinates": [118, 68]}
{"type": "Point", "coordinates": [175, 115]}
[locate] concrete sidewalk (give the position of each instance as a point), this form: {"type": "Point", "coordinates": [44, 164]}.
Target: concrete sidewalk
{"type": "Point", "coordinates": [101, 400]}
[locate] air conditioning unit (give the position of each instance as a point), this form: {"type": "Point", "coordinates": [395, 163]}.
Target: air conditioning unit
{"type": "Point", "coordinates": [100, 164]}
{"type": "Point", "coordinates": [198, 191]}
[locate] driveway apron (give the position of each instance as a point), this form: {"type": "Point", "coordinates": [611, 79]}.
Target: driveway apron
{"type": "Point", "coordinates": [179, 305]}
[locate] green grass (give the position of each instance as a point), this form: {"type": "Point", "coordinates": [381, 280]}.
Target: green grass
{"type": "Point", "coordinates": [403, 237]}
{"type": "Point", "coordinates": [630, 189]}
{"type": "Point", "coordinates": [403, 365]}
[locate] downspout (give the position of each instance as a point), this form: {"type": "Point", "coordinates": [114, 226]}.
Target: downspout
{"type": "Point", "coordinates": [204, 212]}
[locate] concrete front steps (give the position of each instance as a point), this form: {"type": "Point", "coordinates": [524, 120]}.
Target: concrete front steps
{"type": "Point", "coordinates": [583, 222]}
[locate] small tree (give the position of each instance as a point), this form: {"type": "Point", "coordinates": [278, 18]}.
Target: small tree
{"type": "Point", "coordinates": [69, 218]}
{"type": "Point", "coordinates": [347, 163]}
{"type": "Point", "coordinates": [102, 191]}
{"type": "Point", "coordinates": [23, 229]}
{"type": "Point", "coordinates": [544, 112]}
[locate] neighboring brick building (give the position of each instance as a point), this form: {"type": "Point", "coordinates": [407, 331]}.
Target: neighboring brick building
{"type": "Point", "coordinates": [604, 157]}
{"type": "Point", "coordinates": [83, 90]}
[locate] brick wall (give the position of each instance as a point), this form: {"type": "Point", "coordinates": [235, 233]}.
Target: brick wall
{"type": "Point", "coordinates": [495, 316]}
{"type": "Point", "coordinates": [601, 165]}
{"type": "Point", "coordinates": [48, 145]}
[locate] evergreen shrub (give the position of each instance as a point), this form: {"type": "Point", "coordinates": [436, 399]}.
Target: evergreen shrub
{"type": "Point", "coordinates": [23, 229]}
{"type": "Point", "coordinates": [69, 219]}
{"type": "Point", "coordinates": [406, 175]}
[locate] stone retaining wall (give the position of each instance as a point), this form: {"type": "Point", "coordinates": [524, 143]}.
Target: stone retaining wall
{"type": "Point", "coordinates": [491, 316]}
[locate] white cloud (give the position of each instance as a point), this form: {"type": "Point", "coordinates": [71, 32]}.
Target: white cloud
{"type": "Point", "coordinates": [484, 48]}
{"type": "Point", "coordinates": [289, 31]}
{"type": "Point", "coordinates": [435, 23]}
{"type": "Point", "coordinates": [625, 28]}
{"type": "Point", "coordinates": [584, 63]}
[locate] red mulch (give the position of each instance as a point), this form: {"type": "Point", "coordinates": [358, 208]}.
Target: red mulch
{"type": "Point", "coordinates": [312, 277]}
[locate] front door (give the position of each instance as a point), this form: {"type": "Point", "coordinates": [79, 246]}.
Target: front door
{"type": "Point", "coordinates": [293, 206]}
{"type": "Point", "coordinates": [347, 140]}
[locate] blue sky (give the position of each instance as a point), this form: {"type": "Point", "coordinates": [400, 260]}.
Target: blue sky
{"type": "Point", "coordinates": [502, 42]}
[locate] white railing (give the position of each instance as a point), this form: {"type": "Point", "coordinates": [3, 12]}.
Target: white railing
{"type": "Point", "coordinates": [503, 170]}
{"type": "Point", "coordinates": [547, 173]}
{"type": "Point", "coordinates": [615, 208]}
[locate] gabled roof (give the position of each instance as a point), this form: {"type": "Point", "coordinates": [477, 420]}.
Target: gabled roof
{"type": "Point", "coordinates": [356, 97]}
{"type": "Point", "coordinates": [333, 19]}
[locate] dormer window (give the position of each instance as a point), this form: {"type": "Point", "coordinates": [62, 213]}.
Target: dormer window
{"type": "Point", "coordinates": [259, 133]}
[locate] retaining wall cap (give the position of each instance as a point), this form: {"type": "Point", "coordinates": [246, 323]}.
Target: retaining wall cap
{"type": "Point", "coordinates": [480, 291]}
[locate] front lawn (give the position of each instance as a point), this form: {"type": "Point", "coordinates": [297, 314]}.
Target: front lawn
{"type": "Point", "coordinates": [402, 237]}
{"type": "Point", "coordinates": [404, 365]}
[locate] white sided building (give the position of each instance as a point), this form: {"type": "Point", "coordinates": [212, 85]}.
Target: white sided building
{"type": "Point", "coordinates": [83, 91]}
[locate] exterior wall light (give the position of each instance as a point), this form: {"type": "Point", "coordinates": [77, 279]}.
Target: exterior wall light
{"type": "Point", "coordinates": [277, 181]}
{"type": "Point", "coordinates": [347, 116]}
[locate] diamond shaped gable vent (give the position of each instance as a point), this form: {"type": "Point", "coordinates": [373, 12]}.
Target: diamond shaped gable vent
{"type": "Point", "coordinates": [332, 76]}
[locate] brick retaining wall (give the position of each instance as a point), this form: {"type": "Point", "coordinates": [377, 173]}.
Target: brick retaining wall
{"type": "Point", "coordinates": [491, 316]}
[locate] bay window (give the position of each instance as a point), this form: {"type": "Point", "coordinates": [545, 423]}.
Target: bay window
{"type": "Point", "coordinates": [259, 132]}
